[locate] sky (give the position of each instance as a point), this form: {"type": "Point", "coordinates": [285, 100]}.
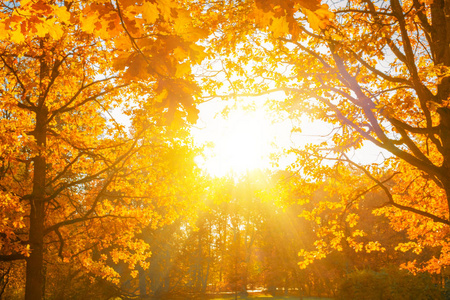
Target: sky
{"type": "Point", "coordinates": [240, 140]}
{"type": "Point", "coordinates": [249, 133]}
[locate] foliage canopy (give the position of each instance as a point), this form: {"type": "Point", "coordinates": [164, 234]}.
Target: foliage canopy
{"type": "Point", "coordinates": [77, 184]}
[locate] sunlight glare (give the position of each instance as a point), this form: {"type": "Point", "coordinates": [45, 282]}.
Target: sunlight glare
{"type": "Point", "coordinates": [245, 140]}
{"type": "Point", "coordinates": [241, 141]}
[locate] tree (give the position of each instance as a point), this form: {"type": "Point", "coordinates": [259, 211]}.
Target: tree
{"type": "Point", "coordinates": [70, 173]}
{"type": "Point", "coordinates": [377, 72]}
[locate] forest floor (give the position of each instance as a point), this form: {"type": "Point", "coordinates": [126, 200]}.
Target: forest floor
{"type": "Point", "coordinates": [249, 297]}
{"type": "Point", "coordinates": [262, 296]}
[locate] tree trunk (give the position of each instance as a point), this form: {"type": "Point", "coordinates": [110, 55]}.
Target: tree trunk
{"type": "Point", "coordinates": [142, 283]}
{"type": "Point", "coordinates": [34, 272]}
{"type": "Point", "coordinates": [444, 134]}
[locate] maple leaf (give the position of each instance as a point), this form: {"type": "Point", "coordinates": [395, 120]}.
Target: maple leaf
{"type": "Point", "coordinates": [150, 12]}
{"type": "Point", "coordinates": [88, 23]}
{"type": "Point", "coordinates": [183, 70]}
{"type": "Point", "coordinates": [314, 21]}
{"type": "Point", "coordinates": [62, 13]}
{"type": "Point", "coordinates": [309, 4]}
{"type": "Point", "coordinates": [17, 36]}
{"type": "Point", "coordinates": [279, 27]}
{"type": "Point", "coordinates": [180, 54]}
{"type": "Point", "coordinates": [165, 7]}
{"type": "Point", "coordinates": [263, 19]}
{"type": "Point", "coordinates": [3, 31]}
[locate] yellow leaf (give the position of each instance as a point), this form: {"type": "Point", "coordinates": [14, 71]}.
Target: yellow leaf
{"type": "Point", "coordinates": [150, 12]}
{"type": "Point", "coordinates": [165, 7]}
{"type": "Point", "coordinates": [17, 37]}
{"type": "Point", "coordinates": [161, 96]}
{"type": "Point", "coordinates": [122, 42]}
{"type": "Point", "coordinates": [262, 18]}
{"type": "Point", "coordinates": [88, 23]}
{"type": "Point", "coordinates": [324, 13]}
{"type": "Point", "coordinates": [160, 67]}
{"type": "Point", "coordinates": [41, 29]}
{"type": "Point", "coordinates": [313, 19]}
{"type": "Point", "coordinates": [180, 54]}
{"type": "Point", "coordinates": [320, 18]}
{"type": "Point", "coordinates": [62, 13]}
{"type": "Point", "coordinates": [3, 32]}
{"type": "Point", "coordinates": [24, 3]}
{"type": "Point", "coordinates": [197, 53]}
{"type": "Point", "coordinates": [279, 27]}
{"type": "Point", "coordinates": [183, 25]}
{"type": "Point", "coordinates": [49, 27]}
{"type": "Point", "coordinates": [55, 31]}
{"type": "Point", "coordinates": [183, 69]}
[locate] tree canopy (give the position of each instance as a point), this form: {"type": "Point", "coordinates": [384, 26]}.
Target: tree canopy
{"type": "Point", "coordinates": [96, 158]}
{"type": "Point", "coordinates": [377, 72]}
{"type": "Point", "coordinates": [74, 180]}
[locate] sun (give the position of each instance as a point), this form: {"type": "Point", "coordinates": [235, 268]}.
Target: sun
{"type": "Point", "coordinates": [239, 142]}
{"type": "Point", "coordinates": [251, 134]}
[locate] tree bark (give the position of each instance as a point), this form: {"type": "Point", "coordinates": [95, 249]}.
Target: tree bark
{"type": "Point", "coordinates": [142, 283]}
{"type": "Point", "coordinates": [35, 262]}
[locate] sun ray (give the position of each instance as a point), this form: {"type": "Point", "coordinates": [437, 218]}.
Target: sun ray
{"type": "Point", "coordinates": [241, 141]}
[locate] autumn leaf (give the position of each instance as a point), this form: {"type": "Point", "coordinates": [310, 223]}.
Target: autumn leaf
{"type": "Point", "coordinates": [17, 36]}
{"type": "Point", "coordinates": [313, 19]}
{"type": "Point", "coordinates": [150, 12]}
{"type": "Point", "coordinates": [262, 19]}
{"type": "Point", "coordinates": [88, 23]}
{"type": "Point", "coordinates": [180, 54]}
{"type": "Point", "coordinates": [62, 13]}
{"type": "Point", "coordinates": [183, 70]}
{"type": "Point", "coordinates": [165, 7]}
{"type": "Point", "coordinates": [3, 31]}
{"type": "Point", "coordinates": [279, 27]}
{"type": "Point", "coordinates": [161, 96]}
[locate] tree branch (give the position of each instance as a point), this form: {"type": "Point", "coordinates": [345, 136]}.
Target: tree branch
{"type": "Point", "coordinates": [391, 199]}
